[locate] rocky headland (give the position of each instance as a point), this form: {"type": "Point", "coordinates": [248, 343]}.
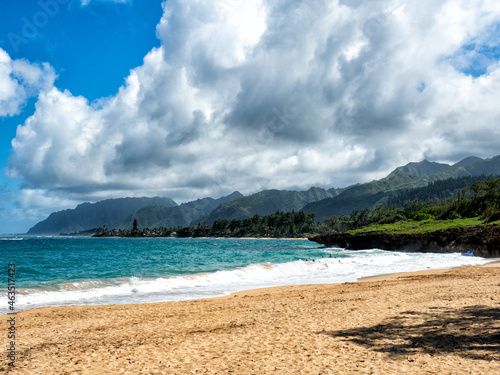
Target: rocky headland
{"type": "Point", "coordinates": [483, 241]}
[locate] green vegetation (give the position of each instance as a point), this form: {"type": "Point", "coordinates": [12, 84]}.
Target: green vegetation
{"type": "Point", "coordinates": [423, 181]}
{"type": "Point", "coordinates": [277, 225]}
{"type": "Point", "coordinates": [422, 175]}
{"type": "Point", "coordinates": [91, 215]}
{"type": "Point", "coordinates": [473, 205]}
{"type": "Point", "coordinates": [411, 226]}
{"type": "Point", "coordinates": [265, 203]}
{"type": "Point", "coordinates": [178, 216]}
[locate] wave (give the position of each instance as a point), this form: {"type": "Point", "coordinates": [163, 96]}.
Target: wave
{"type": "Point", "coordinates": [342, 266]}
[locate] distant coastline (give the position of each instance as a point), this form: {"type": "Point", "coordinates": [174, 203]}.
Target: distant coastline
{"type": "Point", "coordinates": [157, 234]}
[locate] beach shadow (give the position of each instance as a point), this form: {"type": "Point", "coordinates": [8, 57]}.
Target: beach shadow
{"type": "Point", "coordinates": [472, 332]}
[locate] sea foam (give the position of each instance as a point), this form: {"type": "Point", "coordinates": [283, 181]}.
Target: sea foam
{"type": "Point", "coordinates": [335, 266]}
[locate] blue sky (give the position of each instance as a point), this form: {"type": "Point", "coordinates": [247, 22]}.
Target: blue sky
{"type": "Point", "coordinates": [91, 48]}
{"type": "Point", "coordinates": [479, 54]}
{"type": "Point", "coordinates": [188, 99]}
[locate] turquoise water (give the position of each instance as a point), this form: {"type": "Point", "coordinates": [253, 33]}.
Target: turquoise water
{"type": "Point", "coordinates": [53, 271]}
{"type": "Point", "coordinates": [51, 260]}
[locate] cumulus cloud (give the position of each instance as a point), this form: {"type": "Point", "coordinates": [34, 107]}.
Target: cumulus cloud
{"type": "Point", "coordinates": [261, 94]}
{"type": "Point", "coordinates": [20, 80]}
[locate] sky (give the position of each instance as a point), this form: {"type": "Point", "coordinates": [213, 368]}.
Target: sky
{"type": "Point", "coordinates": [186, 99]}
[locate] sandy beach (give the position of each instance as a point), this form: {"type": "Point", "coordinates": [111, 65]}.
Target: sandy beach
{"type": "Point", "coordinates": [432, 322]}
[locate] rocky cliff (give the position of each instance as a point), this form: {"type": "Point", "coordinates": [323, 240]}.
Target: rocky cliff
{"type": "Point", "coordinates": [482, 241]}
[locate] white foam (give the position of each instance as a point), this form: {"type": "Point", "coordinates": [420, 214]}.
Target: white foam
{"type": "Point", "coordinates": [348, 266]}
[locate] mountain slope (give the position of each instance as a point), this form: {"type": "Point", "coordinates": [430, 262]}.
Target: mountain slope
{"type": "Point", "coordinates": [179, 216]}
{"type": "Point", "coordinates": [468, 161]}
{"type": "Point", "coordinates": [110, 212]}
{"type": "Point", "coordinates": [163, 212]}
{"type": "Point", "coordinates": [361, 196]}
{"type": "Point", "coordinates": [413, 175]}
{"type": "Point", "coordinates": [264, 203]}
{"type": "Point", "coordinates": [422, 169]}
{"type": "Point", "coordinates": [469, 167]}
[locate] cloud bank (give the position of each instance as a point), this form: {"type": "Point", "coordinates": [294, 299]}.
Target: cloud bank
{"type": "Point", "coordinates": [247, 95]}
{"type": "Point", "coordinates": [19, 81]}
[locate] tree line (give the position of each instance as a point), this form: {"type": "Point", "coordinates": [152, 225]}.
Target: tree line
{"type": "Point", "coordinates": [480, 199]}
{"type": "Point", "coordinates": [278, 225]}
{"type": "Point", "coordinates": [466, 197]}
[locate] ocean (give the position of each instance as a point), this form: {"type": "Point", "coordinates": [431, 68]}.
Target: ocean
{"type": "Point", "coordinates": [57, 271]}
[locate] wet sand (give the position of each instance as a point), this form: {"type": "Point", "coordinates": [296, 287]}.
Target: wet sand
{"type": "Point", "coordinates": [431, 322]}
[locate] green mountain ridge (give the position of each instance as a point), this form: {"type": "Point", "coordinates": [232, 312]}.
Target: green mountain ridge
{"type": "Point", "coordinates": [468, 161]}
{"type": "Point", "coordinates": [413, 175]}
{"type": "Point", "coordinates": [164, 212]}
{"type": "Point", "coordinates": [422, 169]}
{"type": "Point", "coordinates": [110, 212]}
{"type": "Point", "coordinates": [265, 203]}
{"type": "Point", "coordinates": [178, 216]}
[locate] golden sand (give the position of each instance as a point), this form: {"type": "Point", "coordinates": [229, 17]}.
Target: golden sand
{"type": "Point", "coordinates": [439, 322]}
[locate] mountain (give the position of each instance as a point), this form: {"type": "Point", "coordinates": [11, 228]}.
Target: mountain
{"type": "Point", "coordinates": [264, 203]}
{"type": "Point", "coordinates": [164, 212]}
{"type": "Point", "coordinates": [487, 167]}
{"type": "Point", "coordinates": [413, 175]}
{"type": "Point", "coordinates": [360, 196]}
{"type": "Point", "coordinates": [110, 212]}
{"type": "Point", "coordinates": [422, 169]}
{"type": "Point", "coordinates": [468, 161]}
{"type": "Point", "coordinates": [470, 166]}
{"type": "Point", "coordinates": [179, 216]}
{"type": "Point", "coordinates": [436, 190]}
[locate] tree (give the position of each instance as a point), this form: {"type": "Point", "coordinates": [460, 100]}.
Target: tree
{"type": "Point", "coordinates": [134, 226]}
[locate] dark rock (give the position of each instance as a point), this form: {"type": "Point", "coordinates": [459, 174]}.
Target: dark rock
{"type": "Point", "coordinates": [481, 240]}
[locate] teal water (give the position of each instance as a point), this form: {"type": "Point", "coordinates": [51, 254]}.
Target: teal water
{"type": "Point", "coordinates": [54, 259]}
{"type": "Point", "coordinates": [53, 271]}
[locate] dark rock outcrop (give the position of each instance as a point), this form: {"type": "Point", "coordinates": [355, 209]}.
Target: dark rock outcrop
{"type": "Point", "coordinates": [482, 241]}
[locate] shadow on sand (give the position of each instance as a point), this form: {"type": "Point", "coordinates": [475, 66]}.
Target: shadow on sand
{"type": "Point", "coordinates": [472, 332]}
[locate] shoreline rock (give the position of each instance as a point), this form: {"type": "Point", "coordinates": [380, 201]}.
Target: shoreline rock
{"type": "Point", "coordinates": [483, 241]}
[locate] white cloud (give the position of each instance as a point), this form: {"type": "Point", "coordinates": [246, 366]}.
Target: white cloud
{"type": "Point", "coordinates": [271, 94]}
{"type": "Point", "coordinates": [20, 80]}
